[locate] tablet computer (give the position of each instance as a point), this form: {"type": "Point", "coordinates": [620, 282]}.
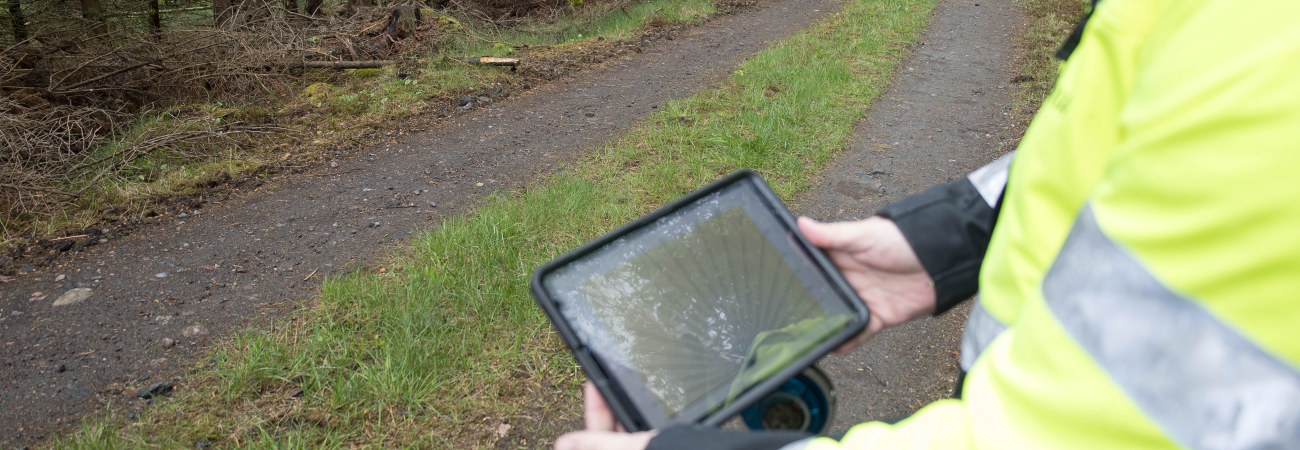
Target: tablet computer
{"type": "Point", "coordinates": [695, 311]}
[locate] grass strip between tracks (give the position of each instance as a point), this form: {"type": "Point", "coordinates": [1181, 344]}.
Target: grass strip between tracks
{"type": "Point", "coordinates": [445, 347]}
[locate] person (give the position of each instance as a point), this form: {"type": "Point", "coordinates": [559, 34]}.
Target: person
{"type": "Point", "coordinates": [1137, 259]}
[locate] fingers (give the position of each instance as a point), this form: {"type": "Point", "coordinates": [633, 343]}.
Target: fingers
{"type": "Point", "coordinates": [603, 432]}
{"type": "Point", "coordinates": [596, 412]}
{"type": "Point", "coordinates": [595, 440]}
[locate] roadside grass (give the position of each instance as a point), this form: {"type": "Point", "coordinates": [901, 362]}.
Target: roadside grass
{"type": "Point", "coordinates": [443, 346]}
{"type": "Point", "coordinates": [327, 111]}
{"type": "Point", "coordinates": [1049, 22]}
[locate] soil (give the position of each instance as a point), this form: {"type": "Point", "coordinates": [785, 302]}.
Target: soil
{"type": "Point", "coordinates": [163, 294]}
{"type": "Point", "coordinates": [164, 290]}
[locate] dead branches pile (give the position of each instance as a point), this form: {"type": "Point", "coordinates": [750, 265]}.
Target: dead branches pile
{"type": "Point", "coordinates": [85, 102]}
{"type": "Point", "coordinates": [55, 152]}
{"type": "Point", "coordinates": [76, 109]}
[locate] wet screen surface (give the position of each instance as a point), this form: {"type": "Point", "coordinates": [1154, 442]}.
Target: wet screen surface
{"type": "Point", "coordinates": [690, 310]}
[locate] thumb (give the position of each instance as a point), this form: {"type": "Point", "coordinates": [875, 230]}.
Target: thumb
{"type": "Point", "coordinates": [837, 235]}
{"type": "Point", "coordinates": [601, 440]}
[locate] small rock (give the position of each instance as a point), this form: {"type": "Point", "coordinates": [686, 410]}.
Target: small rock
{"type": "Point", "coordinates": [162, 320]}
{"type": "Point", "coordinates": [334, 165]}
{"type": "Point", "coordinates": [74, 296]}
{"type": "Point", "coordinates": [168, 342]}
{"type": "Point", "coordinates": [59, 277]}
{"type": "Point", "coordinates": [160, 275]}
{"type": "Point", "coordinates": [590, 114]}
{"type": "Point", "coordinates": [157, 362]}
{"type": "Point", "coordinates": [62, 368]}
{"type": "Point", "coordinates": [464, 100]}
{"type": "Point", "coordinates": [503, 430]}
{"type": "Point", "coordinates": [183, 215]}
{"type": "Point", "coordinates": [194, 330]}
{"type": "Point", "coordinates": [433, 204]}
{"type": "Point", "coordinates": [374, 224]}
{"type": "Point", "coordinates": [155, 390]}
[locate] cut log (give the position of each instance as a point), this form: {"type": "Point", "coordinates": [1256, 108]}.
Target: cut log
{"type": "Point", "coordinates": [492, 61]}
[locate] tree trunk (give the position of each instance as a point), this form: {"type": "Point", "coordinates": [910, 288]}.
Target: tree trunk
{"type": "Point", "coordinates": [155, 19]}
{"type": "Point", "coordinates": [354, 5]}
{"type": "Point", "coordinates": [93, 11]}
{"type": "Point", "coordinates": [311, 7]}
{"type": "Point", "coordinates": [17, 21]}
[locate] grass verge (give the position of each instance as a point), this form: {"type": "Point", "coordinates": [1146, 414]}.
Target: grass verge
{"type": "Point", "coordinates": [1049, 22]}
{"type": "Point", "coordinates": [445, 348]}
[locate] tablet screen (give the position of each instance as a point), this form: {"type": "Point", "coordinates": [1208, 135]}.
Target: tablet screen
{"type": "Point", "coordinates": [689, 310]}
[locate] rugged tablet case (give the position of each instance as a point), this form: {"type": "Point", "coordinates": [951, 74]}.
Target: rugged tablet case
{"type": "Point", "coordinates": [615, 395]}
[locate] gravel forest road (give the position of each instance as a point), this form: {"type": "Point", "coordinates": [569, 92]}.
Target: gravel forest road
{"type": "Point", "coordinates": [946, 113]}
{"type": "Point", "coordinates": [160, 297]}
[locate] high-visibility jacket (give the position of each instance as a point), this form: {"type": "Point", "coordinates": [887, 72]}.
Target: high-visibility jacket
{"type": "Point", "coordinates": [1141, 288]}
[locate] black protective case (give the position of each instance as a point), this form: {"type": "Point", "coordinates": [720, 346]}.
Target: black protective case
{"type": "Point", "coordinates": [623, 409]}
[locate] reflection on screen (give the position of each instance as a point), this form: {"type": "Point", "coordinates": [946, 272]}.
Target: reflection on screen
{"type": "Point", "coordinates": [699, 307]}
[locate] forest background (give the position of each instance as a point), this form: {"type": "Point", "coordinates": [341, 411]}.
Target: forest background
{"type": "Point", "coordinates": [110, 110]}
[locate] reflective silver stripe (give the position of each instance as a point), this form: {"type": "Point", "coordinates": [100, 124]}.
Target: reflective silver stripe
{"type": "Point", "coordinates": [1205, 384]}
{"type": "Point", "coordinates": [991, 179]}
{"type": "Point", "coordinates": [981, 329]}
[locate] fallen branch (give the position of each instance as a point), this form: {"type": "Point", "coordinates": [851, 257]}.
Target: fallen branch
{"type": "Point", "coordinates": [36, 188]}
{"type": "Point", "coordinates": [349, 64]}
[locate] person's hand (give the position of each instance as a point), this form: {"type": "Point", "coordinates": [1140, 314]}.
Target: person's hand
{"type": "Point", "coordinates": [880, 265]}
{"type": "Point", "coordinates": [603, 432]}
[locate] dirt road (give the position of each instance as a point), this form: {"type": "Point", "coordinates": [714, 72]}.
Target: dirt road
{"type": "Point", "coordinates": [945, 114]}
{"type": "Point", "coordinates": [161, 296]}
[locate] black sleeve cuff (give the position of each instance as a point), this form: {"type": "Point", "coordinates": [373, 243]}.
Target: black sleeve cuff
{"type": "Point", "coordinates": [689, 437]}
{"type": "Point", "coordinates": [949, 227]}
